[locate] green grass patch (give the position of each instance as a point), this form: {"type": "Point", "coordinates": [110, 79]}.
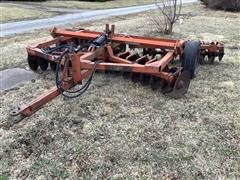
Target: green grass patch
{"type": "Point", "coordinates": [4, 177]}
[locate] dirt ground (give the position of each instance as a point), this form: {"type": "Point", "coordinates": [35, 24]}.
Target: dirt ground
{"type": "Point", "coordinates": [122, 130]}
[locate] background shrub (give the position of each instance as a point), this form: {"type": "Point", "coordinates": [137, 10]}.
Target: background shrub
{"type": "Point", "coordinates": [27, 0]}
{"type": "Point", "coordinates": [227, 5]}
{"type": "Point", "coordinates": [204, 2]}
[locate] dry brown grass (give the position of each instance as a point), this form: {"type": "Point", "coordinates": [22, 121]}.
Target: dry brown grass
{"type": "Point", "coordinates": [119, 129]}
{"type": "Point", "coordinates": [96, 5]}
{"type": "Point", "coordinates": [35, 10]}
{"type": "Point", "coordinates": [10, 13]}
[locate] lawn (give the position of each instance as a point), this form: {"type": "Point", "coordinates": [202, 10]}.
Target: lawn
{"type": "Point", "coordinates": [15, 13]}
{"type": "Point", "coordinates": [35, 10]}
{"type": "Point", "coordinates": [123, 130]}
{"type": "Point", "coordinates": [95, 5]}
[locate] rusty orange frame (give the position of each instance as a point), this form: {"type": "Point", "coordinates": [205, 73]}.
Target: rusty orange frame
{"type": "Point", "coordinates": [82, 62]}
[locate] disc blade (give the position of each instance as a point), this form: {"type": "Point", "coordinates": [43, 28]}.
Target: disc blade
{"type": "Point", "coordinates": [181, 85]}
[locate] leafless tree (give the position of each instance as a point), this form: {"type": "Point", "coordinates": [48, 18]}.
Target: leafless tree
{"type": "Point", "coordinates": [168, 13]}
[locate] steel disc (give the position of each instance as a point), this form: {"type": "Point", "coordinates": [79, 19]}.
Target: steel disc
{"type": "Point", "coordinates": [126, 75]}
{"type": "Point", "coordinates": [201, 59]}
{"type": "Point", "coordinates": [145, 79]}
{"type": "Point", "coordinates": [53, 65]}
{"type": "Point", "coordinates": [211, 59]}
{"type": "Point", "coordinates": [220, 55]}
{"type": "Point", "coordinates": [155, 82]}
{"type": "Point", "coordinates": [135, 77]}
{"type": "Point", "coordinates": [43, 64]}
{"type": "Point", "coordinates": [32, 62]}
{"type": "Point", "coordinates": [181, 85]}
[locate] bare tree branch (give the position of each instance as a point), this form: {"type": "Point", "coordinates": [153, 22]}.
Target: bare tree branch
{"type": "Point", "coordinates": [169, 13]}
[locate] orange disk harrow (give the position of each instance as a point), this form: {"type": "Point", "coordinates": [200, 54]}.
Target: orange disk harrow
{"type": "Point", "coordinates": [74, 55]}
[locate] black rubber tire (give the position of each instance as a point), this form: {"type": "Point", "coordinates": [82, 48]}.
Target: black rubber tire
{"type": "Point", "coordinates": [190, 58]}
{"type": "Point", "coordinates": [32, 62]}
